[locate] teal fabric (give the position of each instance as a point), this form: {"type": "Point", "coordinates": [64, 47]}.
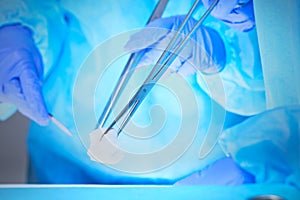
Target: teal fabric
{"type": "Point", "coordinates": [267, 145]}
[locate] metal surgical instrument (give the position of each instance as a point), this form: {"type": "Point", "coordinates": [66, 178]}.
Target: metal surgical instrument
{"type": "Point", "coordinates": [159, 68]}
{"type": "Point", "coordinates": [126, 73]}
{"type": "Point", "coordinates": [60, 125]}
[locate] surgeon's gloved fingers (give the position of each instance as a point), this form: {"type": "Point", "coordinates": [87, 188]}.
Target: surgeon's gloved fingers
{"type": "Point", "coordinates": [241, 18]}
{"type": "Point", "coordinates": [34, 106]}
{"type": "Point", "coordinates": [25, 93]}
{"type": "Point", "coordinates": [222, 8]}
{"type": "Point", "coordinates": [145, 38]}
{"type": "Point", "coordinates": [21, 72]}
{"type": "Point", "coordinates": [223, 172]}
{"type": "Point", "coordinates": [152, 33]}
{"type": "Point", "coordinates": [204, 51]}
{"type": "Point", "coordinates": [11, 90]}
{"type": "Point", "coordinates": [150, 43]}
{"type": "Point", "coordinates": [151, 56]}
{"type": "Point", "coordinates": [238, 14]}
{"type": "Point", "coordinates": [226, 171]}
{"type": "Point", "coordinates": [156, 36]}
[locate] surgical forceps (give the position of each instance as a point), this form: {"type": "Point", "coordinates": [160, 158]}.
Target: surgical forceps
{"type": "Point", "coordinates": [159, 68]}
{"type": "Point", "coordinates": [126, 74]}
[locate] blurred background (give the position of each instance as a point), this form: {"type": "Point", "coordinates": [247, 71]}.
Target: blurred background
{"type": "Point", "coordinates": [13, 149]}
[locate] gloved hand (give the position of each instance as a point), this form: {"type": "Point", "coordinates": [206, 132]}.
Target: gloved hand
{"type": "Point", "coordinates": [223, 172]}
{"type": "Point", "coordinates": [237, 14]}
{"type": "Point", "coordinates": [205, 51]}
{"type": "Point", "coordinates": [21, 73]}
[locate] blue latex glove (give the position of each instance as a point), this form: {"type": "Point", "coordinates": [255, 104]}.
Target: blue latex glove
{"type": "Point", "coordinates": [237, 14]}
{"type": "Point", "coordinates": [21, 73]}
{"type": "Point", "coordinates": [205, 51]}
{"type": "Point", "coordinates": [223, 172]}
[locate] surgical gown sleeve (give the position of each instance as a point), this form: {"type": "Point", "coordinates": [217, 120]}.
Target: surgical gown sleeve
{"type": "Point", "coordinates": [242, 78]}
{"type": "Point", "coordinates": [47, 20]}
{"type": "Point", "coordinates": [267, 145]}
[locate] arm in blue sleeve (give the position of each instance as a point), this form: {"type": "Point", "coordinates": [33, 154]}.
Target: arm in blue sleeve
{"type": "Point", "coordinates": [267, 145]}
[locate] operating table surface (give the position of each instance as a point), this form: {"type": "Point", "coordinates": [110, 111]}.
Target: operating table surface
{"type": "Point", "coordinates": [90, 192]}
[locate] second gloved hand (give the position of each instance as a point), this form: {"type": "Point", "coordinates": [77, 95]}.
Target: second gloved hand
{"type": "Point", "coordinates": [21, 73]}
{"type": "Point", "coordinates": [237, 14]}
{"type": "Point", "coordinates": [204, 51]}
{"type": "Point", "coordinates": [222, 172]}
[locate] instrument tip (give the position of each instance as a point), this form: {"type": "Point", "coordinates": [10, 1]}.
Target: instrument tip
{"type": "Point", "coordinates": [60, 125]}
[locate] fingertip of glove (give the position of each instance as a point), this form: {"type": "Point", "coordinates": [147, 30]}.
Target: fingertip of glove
{"type": "Point", "coordinates": [43, 121]}
{"type": "Point", "coordinates": [152, 33]}
{"type": "Point", "coordinates": [145, 38]}
{"type": "Point", "coordinates": [41, 118]}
